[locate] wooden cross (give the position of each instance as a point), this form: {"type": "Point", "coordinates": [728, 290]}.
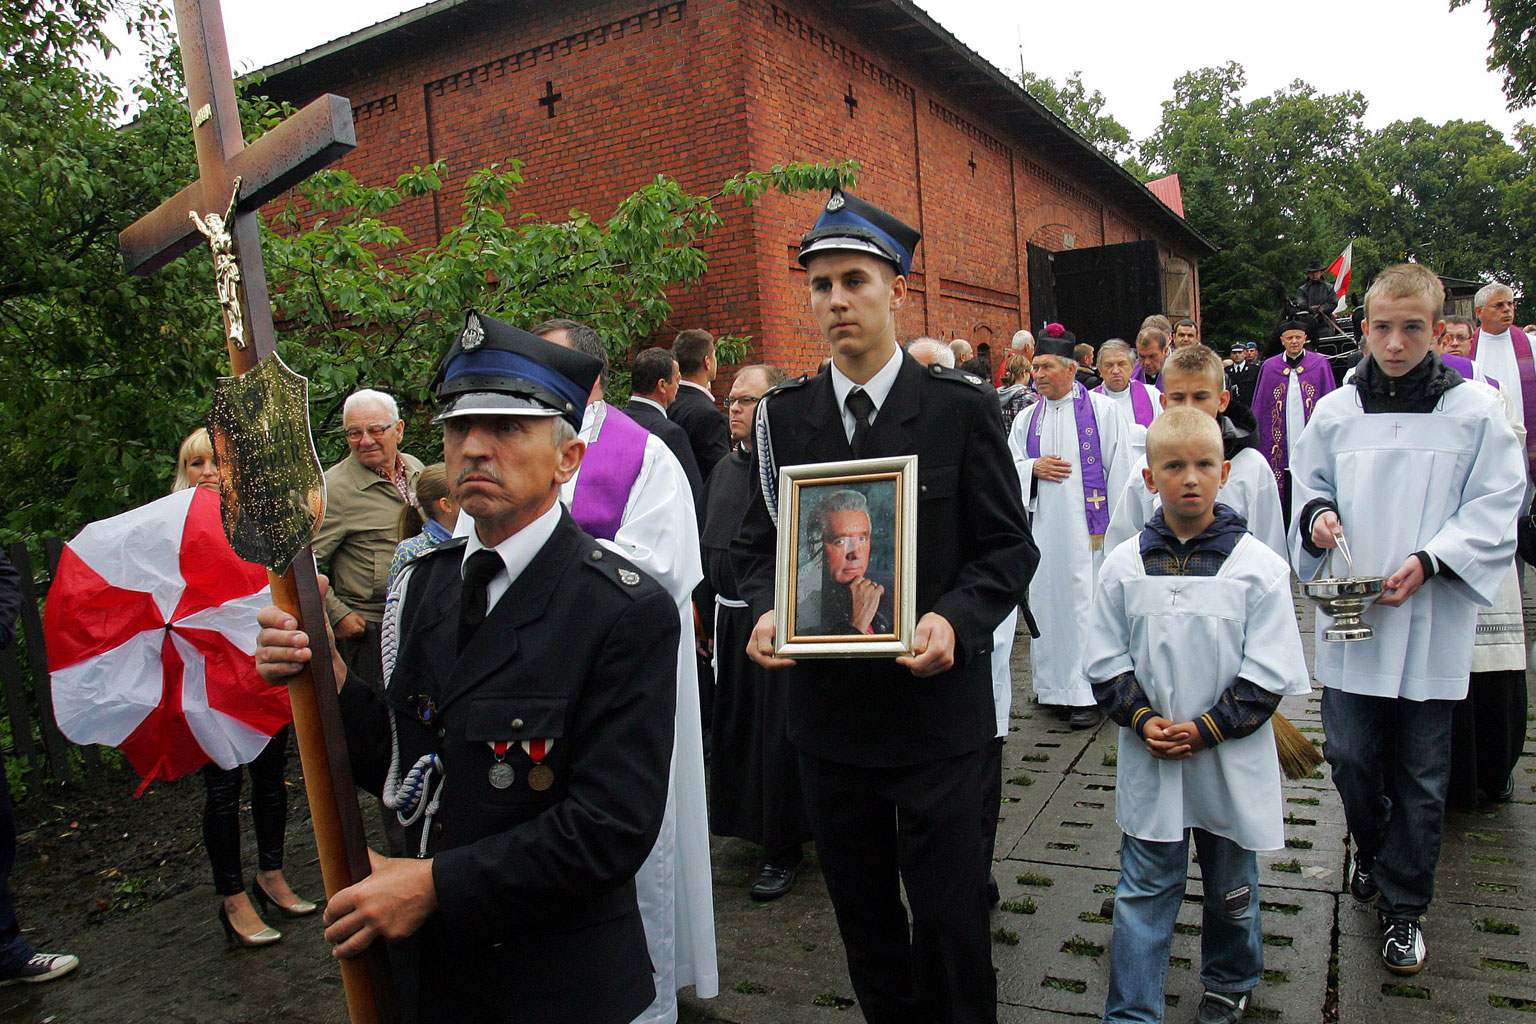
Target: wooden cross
{"type": "Point", "coordinates": [550, 98]}
{"type": "Point", "coordinates": [237, 180]}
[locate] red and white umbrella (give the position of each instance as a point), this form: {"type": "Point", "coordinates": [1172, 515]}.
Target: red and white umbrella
{"type": "Point", "coordinates": [151, 636]}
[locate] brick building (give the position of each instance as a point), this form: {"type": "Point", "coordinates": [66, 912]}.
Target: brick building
{"type": "Point", "coordinates": [1023, 221]}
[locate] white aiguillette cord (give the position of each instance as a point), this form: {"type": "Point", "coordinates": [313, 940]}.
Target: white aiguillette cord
{"type": "Point", "coordinates": [404, 796]}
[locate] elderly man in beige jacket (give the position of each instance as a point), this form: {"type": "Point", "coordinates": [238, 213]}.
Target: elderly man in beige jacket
{"type": "Point", "coordinates": [364, 495]}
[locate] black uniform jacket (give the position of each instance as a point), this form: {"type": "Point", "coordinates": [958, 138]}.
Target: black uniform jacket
{"type": "Point", "coordinates": [676, 440]}
{"type": "Point", "coordinates": [537, 919]}
{"type": "Point", "coordinates": [708, 430]}
{"type": "Point", "coordinates": [975, 558]}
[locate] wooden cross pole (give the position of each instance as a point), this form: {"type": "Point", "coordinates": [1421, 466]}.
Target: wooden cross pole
{"type": "Point", "coordinates": [306, 142]}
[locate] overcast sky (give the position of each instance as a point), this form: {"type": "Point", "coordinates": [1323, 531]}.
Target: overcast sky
{"type": "Point", "coordinates": [1411, 58]}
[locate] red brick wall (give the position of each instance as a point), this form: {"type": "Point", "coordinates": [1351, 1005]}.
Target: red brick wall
{"type": "Point", "coordinates": [701, 89]}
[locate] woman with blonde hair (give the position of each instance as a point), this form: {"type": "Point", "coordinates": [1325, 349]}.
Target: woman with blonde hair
{"type": "Point", "coordinates": [196, 467]}
{"type": "Point", "coordinates": [427, 521]}
{"type": "Point", "coordinates": [1016, 393]}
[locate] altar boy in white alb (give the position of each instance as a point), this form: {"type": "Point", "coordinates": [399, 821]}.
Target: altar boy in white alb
{"type": "Point", "coordinates": [1191, 645]}
{"type": "Point", "coordinates": [1422, 473]}
{"type": "Point", "coordinates": [1072, 452]}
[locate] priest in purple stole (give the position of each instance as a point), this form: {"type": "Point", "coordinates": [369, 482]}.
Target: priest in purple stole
{"type": "Point", "coordinates": [1072, 452]}
{"type": "Point", "coordinates": [1503, 351]}
{"type": "Point", "coordinates": [631, 493]}
{"type": "Point", "coordinates": [1290, 384]}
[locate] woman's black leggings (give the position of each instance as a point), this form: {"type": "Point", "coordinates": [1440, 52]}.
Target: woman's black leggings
{"type": "Point", "coordinates": [269, 812]}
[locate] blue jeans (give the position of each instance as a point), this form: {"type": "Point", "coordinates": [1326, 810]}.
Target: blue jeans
{"type": "Point", "coordinates": [1391, 761]}
{"type": "Point", "coordinates": [1152, 881]}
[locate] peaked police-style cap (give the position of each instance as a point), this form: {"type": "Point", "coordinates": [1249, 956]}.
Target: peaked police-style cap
{"type": "Point", "coordinates": [495, 369]}
{"type": "Point", "coordinates": [849, 224]}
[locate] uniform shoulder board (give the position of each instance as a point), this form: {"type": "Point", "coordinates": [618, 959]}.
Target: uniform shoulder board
{"type": "Point", "coordinates": [620, 571]}
{"type": "Point", "coordinates": [454, 544]}
{"type": "Point", "coordinates": [959, 376]}
{"type": "Point", "coordinates": [789, 385]}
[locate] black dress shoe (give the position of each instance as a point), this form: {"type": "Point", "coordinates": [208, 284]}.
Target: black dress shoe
{"type": "Point", "coordinates": [1506, 793]}
{"type": "Point", "coordinates": [1084, 718]}
{"type": "Point", "coordinates": [774, 881]}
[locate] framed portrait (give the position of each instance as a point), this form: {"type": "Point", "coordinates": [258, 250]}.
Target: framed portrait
{"type": "Point", "coordinates": [847, 559]}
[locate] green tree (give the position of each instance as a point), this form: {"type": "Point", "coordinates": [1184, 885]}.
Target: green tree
{"type": "Point", "coordinates": [1083, 111]}
{"type": "Point", "coordinates": [1270, 181]}
{"type": "Point", "coordinates": [1512, 49]}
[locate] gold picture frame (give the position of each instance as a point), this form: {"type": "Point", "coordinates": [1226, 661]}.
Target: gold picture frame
{"type": "Point", "coordinates": [845, 578]}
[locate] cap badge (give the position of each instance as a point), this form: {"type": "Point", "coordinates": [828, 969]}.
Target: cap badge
{"type": "Point", "coordinates": [629, 577]}
{"type": "Point", "coordinates": [473, 336]}
{"type": "Point", "coordinates": [835, 203]}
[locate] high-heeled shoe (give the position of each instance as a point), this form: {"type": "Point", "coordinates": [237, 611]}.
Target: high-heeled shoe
{"type": "Point", "coordinates": [265, 937]}
{"type": "Point", "coordinates": [303, 908]}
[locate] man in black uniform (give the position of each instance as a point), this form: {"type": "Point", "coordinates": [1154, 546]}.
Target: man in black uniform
{"type": "Point", "coordinates": [525, 736]}
{"type": "Point", "coordinates": [892, 753]}
{"type": "Point", "coordinates": [1314, 295]}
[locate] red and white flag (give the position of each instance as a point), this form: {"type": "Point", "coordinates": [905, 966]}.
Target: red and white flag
{"type": "Point", "coordinates": [1341, 270]}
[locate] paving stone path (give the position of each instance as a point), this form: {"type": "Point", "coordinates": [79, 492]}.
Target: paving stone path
{"type": "Point", "coordinates": [1057, 850]}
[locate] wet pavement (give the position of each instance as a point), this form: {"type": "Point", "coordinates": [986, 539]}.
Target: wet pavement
{"type": "Point", "coordinates": [782, 962]}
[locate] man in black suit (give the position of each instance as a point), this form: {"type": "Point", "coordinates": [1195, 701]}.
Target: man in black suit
{"type": "Point", "coordinates": [694, 408]}
{"type": "Point", "coordinates": [525, 736]}
{"type": "Point", "coordinates": [653, 385]}
{"type": "Point", "coordinates": [893, 753]}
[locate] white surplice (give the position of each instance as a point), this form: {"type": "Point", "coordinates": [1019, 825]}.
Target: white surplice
{"type": "Point", "coordinates": [1496, 359]}
{"type": "Point", "coordinates": [1188, 638]}
{"type": "Point", "coordinates": [1135, 433]}
{"type": "Point", "coordinates": [1449, 482]}
{"type": "Point", "coordinates": [1002, 672]}
{"type": "Point", "coordinates": [659, 532]}
{"type": "Point", "coordinates": [1250, 491]}
{"type": "Point", "coordinates": [1062, 587]}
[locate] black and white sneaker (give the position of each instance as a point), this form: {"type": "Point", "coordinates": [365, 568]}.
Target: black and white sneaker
{"type": "Point", "coordinates": [1402, 945]}
{"type": "Point", "coordinates": [1361, 885]}
{"type": "Point", "coordinates": [1220, 1008]}
{"type": "Point", "coordinates": [40, 967]}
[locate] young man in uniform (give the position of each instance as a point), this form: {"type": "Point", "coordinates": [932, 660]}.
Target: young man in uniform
{"type": "Point", "coordinates": [893, 753]}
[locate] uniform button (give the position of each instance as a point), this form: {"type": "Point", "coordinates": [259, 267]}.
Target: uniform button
{"type": "Point", "coordinates": [517, 723]}
{"type": "Point", "coordinates": [597, 556]}
{"type": "Point", "coordinates": [441, 732]}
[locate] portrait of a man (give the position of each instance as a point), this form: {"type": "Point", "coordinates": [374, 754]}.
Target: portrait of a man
{"type": "Point", "coordinates": [845, 584]}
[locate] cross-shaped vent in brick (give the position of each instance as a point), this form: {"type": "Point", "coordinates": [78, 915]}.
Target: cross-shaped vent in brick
{"type": "Point", "coordinates": [851, 100]}
{"type": "Point", "coordinates": [550, 98]}
{"type": "Point", "coordinates": [972, 163]}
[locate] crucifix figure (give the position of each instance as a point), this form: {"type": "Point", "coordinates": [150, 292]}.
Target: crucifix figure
{"type": "Point", "coordinates": [238, 179]}
{"type": "Point", "coordinates": [226, 266]}
{"type": "Point", "coordinates": [550, 98]}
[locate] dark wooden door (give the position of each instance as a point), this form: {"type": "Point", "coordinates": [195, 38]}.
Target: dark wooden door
{"type": "Point", "coordinates": [1104, 291]}
{"type": "Point", "coordinates": [1042, 289]}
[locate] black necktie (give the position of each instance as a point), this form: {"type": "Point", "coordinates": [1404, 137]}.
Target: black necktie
{"type": "Point", "coordinates": [861, 405]}
{"type": "Point", "coordinates": [481, 568]}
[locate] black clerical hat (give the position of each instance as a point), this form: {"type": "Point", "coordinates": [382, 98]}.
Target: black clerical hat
{"type": "Point", "coordinates": [495, 369]}
{"type": "Point", "coordinates": [850, 224]}
{"type": "Point", "coordinates": [1056, 340]}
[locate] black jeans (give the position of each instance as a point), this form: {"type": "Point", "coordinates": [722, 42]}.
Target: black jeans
{"type": "Point", "coordinates": [269, 813]}
{"type": "Point", "coordinates": [14, 950]}
{"type": "Point", "coordinates": [1391, 761]}
{"type": "Point", "coordinates": [918, 826]}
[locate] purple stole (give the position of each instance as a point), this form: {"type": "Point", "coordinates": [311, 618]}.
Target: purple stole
{"type": "Point", "coordinates": [608, 473]}
{"type": "Point", "coordinates": [1522, 347]}
{"type": "Point", "coordinates": [1141, 402]}
{"type": "Point", "coordinates": [1095, 485]}
{"type": "Point", "coordinates": [1137, 375]}
{"type": "Point", "coordinates": [1316, 378]}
